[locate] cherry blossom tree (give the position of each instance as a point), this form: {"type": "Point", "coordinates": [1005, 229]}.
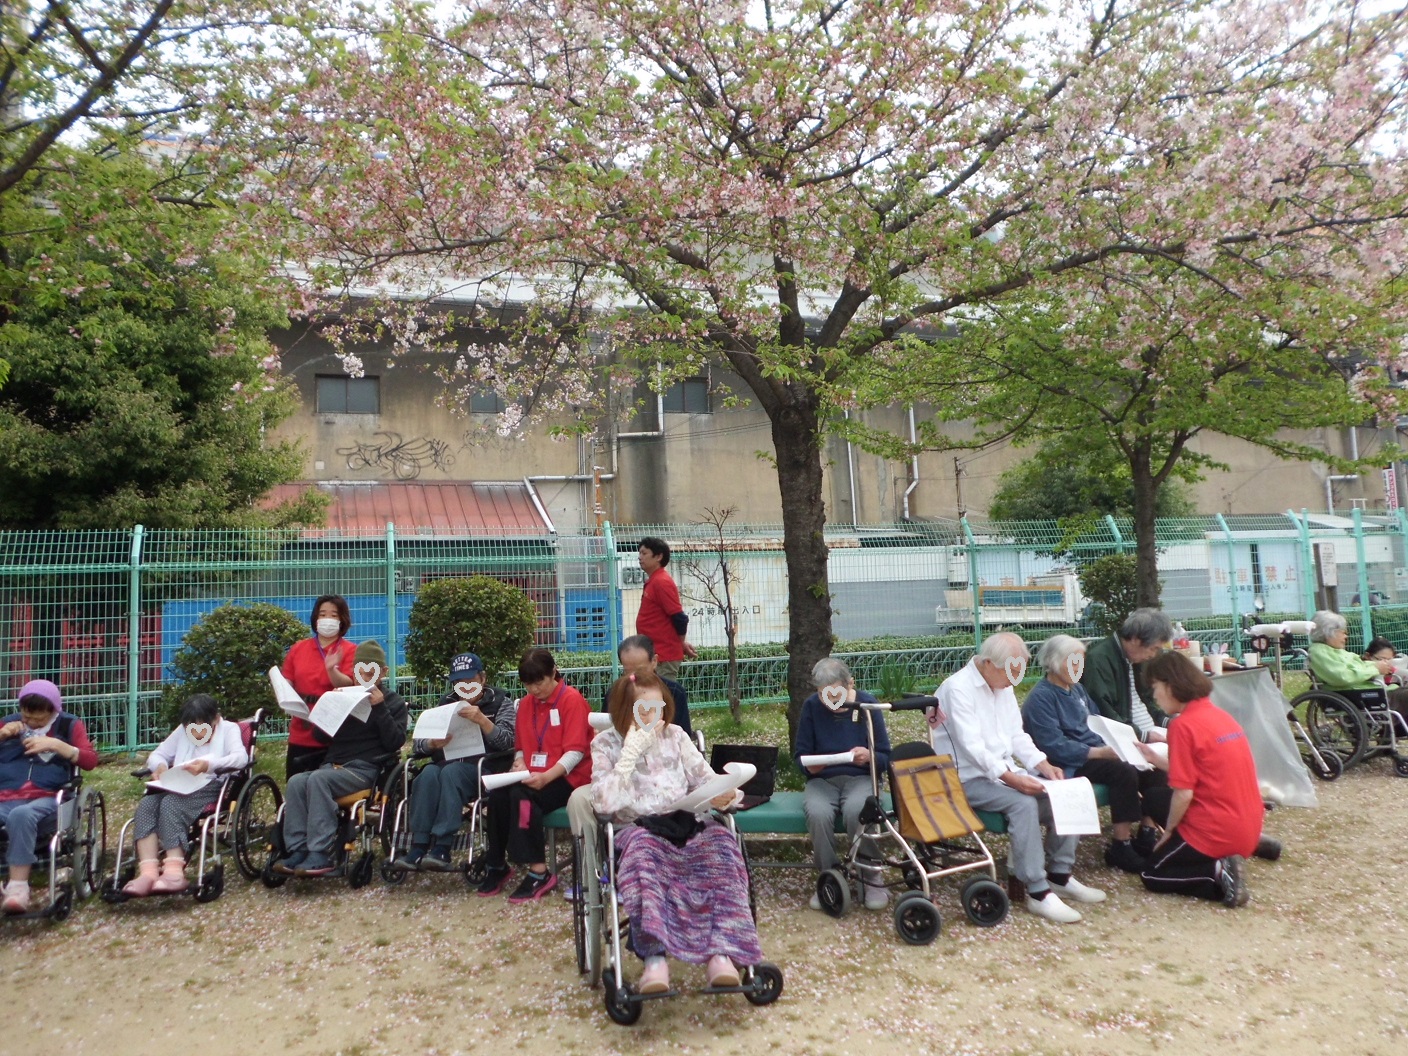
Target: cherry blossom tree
{"type": "Point", "coordinates": [809, 191]}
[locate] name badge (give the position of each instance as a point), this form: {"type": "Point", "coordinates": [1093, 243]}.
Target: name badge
{"type": "Point", "coordinates": [554, 717]}
{"type": "Point", "coordinates": [538, 761]}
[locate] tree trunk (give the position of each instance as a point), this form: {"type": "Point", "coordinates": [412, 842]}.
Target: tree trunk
{"type": "Point", "coordinates": [1146, 497]}
{"type": "Point", "coordinates": [797, 441]}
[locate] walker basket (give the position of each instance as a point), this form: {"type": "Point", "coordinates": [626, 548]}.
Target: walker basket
{"type": "Point", "coordinates": [929, 800]}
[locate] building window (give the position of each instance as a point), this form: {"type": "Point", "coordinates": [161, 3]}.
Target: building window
{"type": "Point", "coordinates": [338, 394]}
{"type": "Point", "coordinates": [486, 403]}
{"type": "Point", "coordinates": [690, 396]}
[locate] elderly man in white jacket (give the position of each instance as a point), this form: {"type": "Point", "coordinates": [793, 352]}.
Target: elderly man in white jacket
{"type": "Point", "coordinates": [978, 714]}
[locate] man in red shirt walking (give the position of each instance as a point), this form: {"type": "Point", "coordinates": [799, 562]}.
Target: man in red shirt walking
{"type": "Point", "coordinates": [661, 617]}
{"type": "Point", "coordinates": [1215, 819]}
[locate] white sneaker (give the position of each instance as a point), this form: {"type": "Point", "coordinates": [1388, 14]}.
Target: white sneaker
{"type": "Point", "coordinates": [815, 903]}
{"type": "Point", "coordinates": [1052, 908]}
{"type": "Point", "coordinates": [1074, 890]}
{"type": "Point", "coordinates": [876, 896]}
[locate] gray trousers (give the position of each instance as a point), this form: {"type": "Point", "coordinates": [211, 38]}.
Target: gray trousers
{"type": "Point", "coordinates": [438, 798]}
{"type": "Point", "coordinates": [1025, 815]}
{"type": "Point", "coordinates": [582, 815]}
{"type": "Point", "coordinates": [310, 804]}
{"type": "Point", "coordinates": [822, 799]}
{"type": "Point", "coordinates": [171, 816]}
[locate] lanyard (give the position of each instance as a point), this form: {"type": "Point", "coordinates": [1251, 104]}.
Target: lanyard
{"type": "Point", "coordinates": [541, 731]}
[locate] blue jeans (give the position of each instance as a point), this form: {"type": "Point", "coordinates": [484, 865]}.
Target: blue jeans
{"type": "Point", "coordinates": [438, 797]}
{"type": "Point", "coordinates": [22, 818]}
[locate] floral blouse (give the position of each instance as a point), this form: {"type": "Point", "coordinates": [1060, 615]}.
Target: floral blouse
{"type": "Point", "coordinates": [668, 769]}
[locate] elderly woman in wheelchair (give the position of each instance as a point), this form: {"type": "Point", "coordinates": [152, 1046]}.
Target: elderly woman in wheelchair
{"type": "Point", "coordinates": [1380, 721]}
{"type": "Point", "coordinates": [681, 878]}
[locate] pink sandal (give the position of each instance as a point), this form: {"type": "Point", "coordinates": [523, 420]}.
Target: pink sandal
{"type": "Point", "coordinates": [721, 971]}
{"type": "Point", "coordinates": [141, 885]}
{"type": "Point", "coordinates": [173, 878]}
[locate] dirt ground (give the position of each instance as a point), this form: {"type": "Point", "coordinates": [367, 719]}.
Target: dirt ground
{"type": "Point", "coordinates": [1316, 963]}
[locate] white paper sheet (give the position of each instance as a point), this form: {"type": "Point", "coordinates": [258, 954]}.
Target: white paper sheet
{"type": "Point", "coordinates": [599, 721]}
{"type": "Point", "coordinates": [1073, 809]}
{"type": "Point", "coordinates": [838, 759]}
{"type": "Point", "coordinates": [466, 739]}
{"type": "Point", "coordinates": [180, 781]}
{"type": "Point", "coordinates": [735, 776]}
{"type": "Point", "coordinates": [286, 695]}
{"type": "Point", "coordinates": [336, 706]}
{"type": "Point", "coordinates": [1121, 737]}
{"type": "Point", "coordinates": [493, 781]}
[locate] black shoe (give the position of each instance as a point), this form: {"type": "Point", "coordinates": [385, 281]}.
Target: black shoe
{"type": "Point", "coordinates": [288, 865]}
{"type": "Point", "coordinates": [534, 887]}
{"type": "Point", "coordinates": [1145, 841]}
{"type": "Point", "coordinates": [495, 880]}
{"type": "Point", "coordinates": [1122, 855]}
{"type": "Point", "coordinates": [411, 860]}
{"type": "Point", "coordinates": [1268, 847]}
{"type": "Point", "coordinates": [316, 865]}
{"type": "Point", "coordinates": [437, 861]}
{"type": "Point", "coordinates": [1233, 882]}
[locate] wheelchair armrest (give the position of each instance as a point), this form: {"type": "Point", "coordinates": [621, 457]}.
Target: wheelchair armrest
{"type": "Point", "coordinates": [146, 771]}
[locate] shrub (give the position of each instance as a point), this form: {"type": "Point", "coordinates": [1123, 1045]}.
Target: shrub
{"type": "Point", "coordinates": [1109, 582]}
{"type": "Point", "coordinates": [486, 616]}
{"type": "Point", "coordinates": [228, 655]}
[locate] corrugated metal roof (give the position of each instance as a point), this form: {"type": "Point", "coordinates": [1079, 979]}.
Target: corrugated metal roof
{"type": "Point", "coordinates": [470, 508]}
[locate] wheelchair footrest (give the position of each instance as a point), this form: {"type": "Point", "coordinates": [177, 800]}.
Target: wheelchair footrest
{"type": "Point", "coordinates": [635, 998]}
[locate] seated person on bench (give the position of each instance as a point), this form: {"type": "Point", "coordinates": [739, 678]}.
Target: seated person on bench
{"type": "Point", "coordinates": [353, 763]}
{"type": "Point", "coordinates": [826, 728]}
{"type": "Point", "coordinates": [1056, 715]}
{"type": "Point", "coordinates": [996, 760]}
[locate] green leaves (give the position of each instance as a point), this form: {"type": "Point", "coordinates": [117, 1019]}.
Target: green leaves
{"type": "Point", "coordinates": [486, 616]}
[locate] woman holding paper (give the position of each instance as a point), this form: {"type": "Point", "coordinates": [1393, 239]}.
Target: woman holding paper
{"type": "Point", "coordinates": [681, 879]}
{"type": "Point", "coordinates": [203, 744]}
{"type": "Point", "coordinates": [1215, 817]}
{"type": "Point", "coordinates": [1056, 715]}
{"type": "Point", "coordinates": [314, 666]}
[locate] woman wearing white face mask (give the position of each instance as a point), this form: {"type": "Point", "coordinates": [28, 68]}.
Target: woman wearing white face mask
{"type": "Point", "coordinates": [203, 743]}
{"type": "Point", "coordinates": [314, 666]}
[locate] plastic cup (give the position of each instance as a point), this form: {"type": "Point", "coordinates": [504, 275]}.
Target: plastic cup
{"type": "Point", "coordinates": [1214, 664]}
{"type": "Point", "coordinates": [1251, 659]}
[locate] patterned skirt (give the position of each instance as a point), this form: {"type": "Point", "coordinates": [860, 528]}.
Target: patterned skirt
{"type": "Point", "coordinates": [688, 902]}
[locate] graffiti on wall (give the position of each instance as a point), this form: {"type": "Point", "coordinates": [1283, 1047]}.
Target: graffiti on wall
{"type": "Point", "coordinates": [403, 459]}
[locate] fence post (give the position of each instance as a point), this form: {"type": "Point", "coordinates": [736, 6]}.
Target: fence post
{"type": "Point", "coordinates": [973, 581]}
{"type": "Point", "coordinates": [1115, 533]}
{"type": "Point", "coordinates": [613, 597]}
{"type": "Point", "coordinates": [1232, 586]}
{"type": "Point", "coordinates": [391, 601]}
{"type": "Point", "coordinates": [1363, 570]}
{"type": "Point", "coordinates": [134, 635]}
{"type": "Point", "coordinates": [1307, 560]}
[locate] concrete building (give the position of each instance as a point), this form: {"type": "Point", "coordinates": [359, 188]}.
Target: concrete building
{"type": "Point", "coordinates": [686, 451]}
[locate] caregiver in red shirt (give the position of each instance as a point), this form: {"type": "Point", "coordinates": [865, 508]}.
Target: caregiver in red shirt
{"type": "Point", "coordinates": [1215, 818]}
{"type": "Point", "coordinates": [661, 617]}
{"type": "Point", "coordinates": [314, 666]}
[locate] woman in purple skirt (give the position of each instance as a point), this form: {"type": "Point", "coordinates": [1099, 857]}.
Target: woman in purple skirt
{"type": "Point", "coordinates": [681, 877]}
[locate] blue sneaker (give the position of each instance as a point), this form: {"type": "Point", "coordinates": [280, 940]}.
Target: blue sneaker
{"type": "Point", "coordinates": [437, 860]}
{"type": "Point", "coordinates": [290, 863]}
{"type": "Point", "coordinates": [411, 859]}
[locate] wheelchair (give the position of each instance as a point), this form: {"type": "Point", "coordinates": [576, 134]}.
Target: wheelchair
{"type": "Point", "coordinates": [395, 819]}
{"type": "Point", "coordinates": [599, 926]}
{"type": "Point", "coordinates": [959, 850]}
{"type": "Point", "coordinates": [218, 827]}
{"type": "Point", "coordinates": [361, 833]}
{"type": "Point", "coordinates": [72, 847]}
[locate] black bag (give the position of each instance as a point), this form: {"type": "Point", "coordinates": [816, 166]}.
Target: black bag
{"type": "Point", "coordinates": [763, 756]}
{"type": "Point", "coordinates": [679, 826]}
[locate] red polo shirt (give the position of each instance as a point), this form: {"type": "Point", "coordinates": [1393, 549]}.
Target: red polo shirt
{"type": "Point", "coordinates": [658, 602]}
{"type": "Point", "coordinates": [534, 731]}
{"type": "Point", "coordinates": [1209, 754]}
{"type": "Point", "coordinates": [308, 674]}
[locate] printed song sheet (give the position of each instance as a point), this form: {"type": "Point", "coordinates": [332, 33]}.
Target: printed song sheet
{"type": "Point", "coordinates": [180, 781]}
{"type": "Point", "coordinates": [336, 706]}
{"type": "Point", "coordinates": [286, 695]}
{"type": "Point", "coordinates": [1121, 737]}
{"type": "Point", "coordinates": [735, 776]}
{"type": "Point", "coordinates": [1073, 809]}
{"type": "Point", "coordinates": [465, 738]}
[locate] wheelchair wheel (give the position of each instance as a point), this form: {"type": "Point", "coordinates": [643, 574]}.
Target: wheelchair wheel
{"type": "Point", "coordinates": [475, 870]}
{"type": "Point", "coordinates": [256, 811]}
{"type": "Point", "coordinates": [211, 885]}
{"type": "Point", "coordinates": [985, 902]}
{"type": "Point", "coordinates": [392, 796]}
{"type": "Point", "coordinates": [1400, 766]}
{"type": "Point", "coordinates": [769, 984]}
{"type": "Point", "coordinates": [392, 874]}
{"type": "Point", "coordinates": [619, 1005]}
{"type": "Point", "coordinates": [90, 858]}
{"type": "Point", "coordinates": [1328, 768]}
{"type": "Point", "coordinates": [917, 919]}
{"type": "Point", "coordinates": [63, 904]}
{"type": "Point", "coordinates": [359, 871]}
{"type": "Point", "coordinates": [269, 878]}
{"type": "Point", "coordinates": [1334, 723]}
{"type": "Point", "coordinates": [833, 891]}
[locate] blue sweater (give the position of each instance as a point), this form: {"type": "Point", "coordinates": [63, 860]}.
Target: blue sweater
{"type": "Point", "coordinates": [1056, 719]}
{"type": "Point", "coordinates": [825, 732]}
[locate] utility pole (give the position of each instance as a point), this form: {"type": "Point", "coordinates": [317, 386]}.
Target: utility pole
{"type": "Point", "coordinates": [958, 472]}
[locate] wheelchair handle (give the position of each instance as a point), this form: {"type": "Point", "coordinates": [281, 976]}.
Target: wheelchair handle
{"type": "Point", "coordinates": [916, 703]}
